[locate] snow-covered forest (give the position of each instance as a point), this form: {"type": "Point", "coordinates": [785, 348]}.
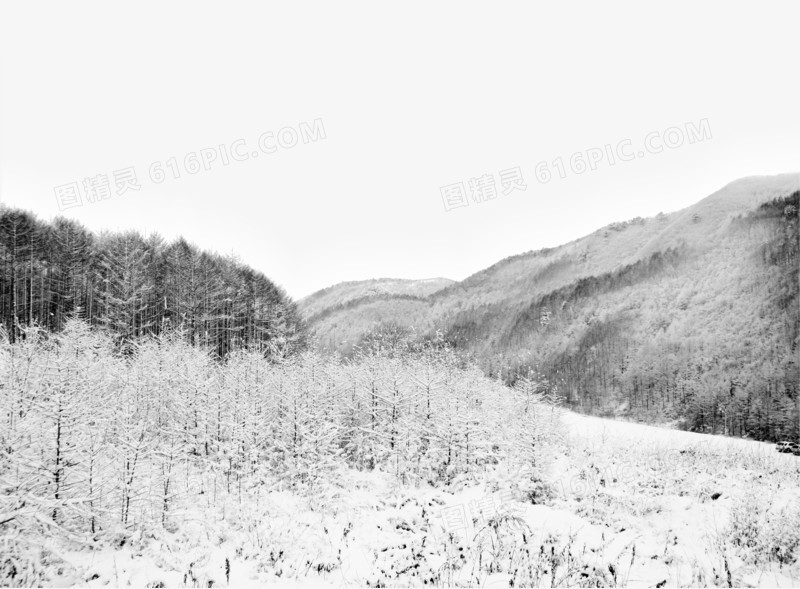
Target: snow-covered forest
{"type": "Point", "coordinates": [135, 285]}
{"type": "Point", "coordinates": [158, 464]}
{"type": "Point", "coordinates": [99, 445]}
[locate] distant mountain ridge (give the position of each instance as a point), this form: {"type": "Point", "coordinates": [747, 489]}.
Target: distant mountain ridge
{"type": "Point", "coordinates": [360, 290]}
{"type": "Point", "coordinates": [690, 315]}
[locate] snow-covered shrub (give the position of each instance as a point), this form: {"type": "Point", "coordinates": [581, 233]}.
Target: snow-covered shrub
{"type": "Point", "coordinates": [783, 535]}
{"type": "Point", "coordinates": [762, 532]}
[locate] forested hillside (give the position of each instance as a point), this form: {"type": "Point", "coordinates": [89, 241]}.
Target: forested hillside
{"type": "Point", "coordinates": [692, 316]}
{"type": "Point", "coordinates": [135, 286]}
{"type": "Point", "coordinates": [709, 337]}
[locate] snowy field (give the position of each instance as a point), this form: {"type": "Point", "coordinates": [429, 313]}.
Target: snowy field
{"type": "Point", "coordinates": [623, 505]}
{"type": "Point", "coordinates": [697, 509]}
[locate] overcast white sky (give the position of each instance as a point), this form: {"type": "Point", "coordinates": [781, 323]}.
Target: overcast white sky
{"type": "Point", "coordinates": [412, 98]}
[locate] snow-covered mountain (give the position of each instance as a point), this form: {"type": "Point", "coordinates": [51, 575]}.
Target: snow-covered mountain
{"type": "Point", "coordinates": [689, 315]}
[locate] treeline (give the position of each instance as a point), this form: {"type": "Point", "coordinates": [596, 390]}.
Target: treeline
{"type": "Point", "coordinates": [134, 286]}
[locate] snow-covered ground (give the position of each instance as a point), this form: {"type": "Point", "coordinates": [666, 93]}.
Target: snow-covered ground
{"type": "Point", "coordinates": [671, 493]}
{"type": "Point", "coordinates": [621, 504]}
